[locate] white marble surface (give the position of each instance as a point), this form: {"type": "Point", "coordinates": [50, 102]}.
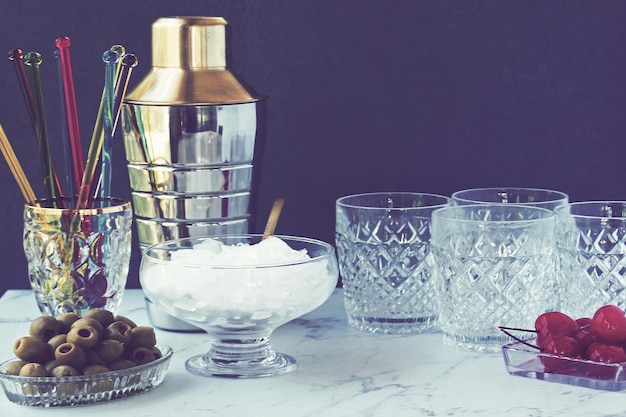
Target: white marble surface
{"type": "Point", "coordinates": [342, 372]}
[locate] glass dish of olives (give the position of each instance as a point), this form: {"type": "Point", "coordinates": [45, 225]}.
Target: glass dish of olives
{"type": "Point", "coordinates": [73, 360]}
{"type": "Point", "coordinates": [84, 389]}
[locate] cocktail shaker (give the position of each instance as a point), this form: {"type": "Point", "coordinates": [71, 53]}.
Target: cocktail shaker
{"type": "Point", "coordinates": [193, 136]}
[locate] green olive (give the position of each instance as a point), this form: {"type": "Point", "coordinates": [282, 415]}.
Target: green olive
{"type": "Point", "coordinates": [66, 321]}
{"type": "Point", "coordinates": [141, 355]}
{"type": "Point", "coordinates": [118, 330]}
{"type": "Point", "coordinates": [13, 368]}
{"type": "Point", "coordinates": [104, 317]}
{"type": "Point", "coordinates": [45, 328]}
{"type": "Point", "coordinates": [57, 340]}
{"type": "Point", "coordinates": [95, 369]}
{"type": "Point", "coordinates": [95, 343]}
{"type": "Point", "coordinates": [32, 349]}
{"type": "Point", "coordinates": [109, 350]}
{"type": "Point", "coordinates": [84, 336]}
{"type": "Point", "coordinates": [93, 358]}
{"type": "Point", "coordinates": [121, 364]}
{"type": "Point", "coordinates": [51, 365]}
{"type": "Point", "coordinates": [126, 320]}
{"type": "Point", "coordinates": [33, 369]}
{"type": "Point", "coordinates": [64, 370]}
{"type": "Point", "coordinates": [67, 388]}
{"type": "Point", "coordinates": [157, 352]}
{"type": "Point", "coordinates": [142, 336]}
{"type": "Point", "coordinates": [70, 354]}
{"type": "Point", "coordinates": [89, 322]}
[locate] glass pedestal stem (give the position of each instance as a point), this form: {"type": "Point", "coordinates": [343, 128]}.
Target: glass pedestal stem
{"type": "Point", "coordinates": [241, 356]}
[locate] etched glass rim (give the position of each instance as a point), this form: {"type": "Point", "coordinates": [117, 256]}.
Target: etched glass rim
{"type": "Point", "coordinates": [597, 209]}
{"type": "Point", "coordinates": [451, 214]}
{"type": "Point", "coordinates": [546, 195]}
{"type": "Point", "coordinates": [379, 201]}
{"type": "Point", "coordinates": [169, 168]}
{"type": "Point", "coordinates": [110, 205]}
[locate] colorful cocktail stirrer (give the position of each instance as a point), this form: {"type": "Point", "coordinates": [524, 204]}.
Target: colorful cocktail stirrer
{"type": "Point", "coordinates": [119, 49]}
{"type": "Point", "coordinates": [17, 57]}
{"type": "Point", "coordinates": [110, 59]}
{"type": "Point", "coordinates": [63, 45]}
{"type": "Point", "coordinates": [97, 139]}
{"type": "Point", "coordinates": [118, 67]}
{"type": "Point", "coordinates": [67, 146]}
{"type": "Point", "coordinates": [33, 60]}
{"type": "Point", "coordinates": [129, 62]}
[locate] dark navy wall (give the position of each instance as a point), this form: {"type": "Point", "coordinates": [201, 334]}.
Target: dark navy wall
{"type": "Point", "coordinates": [364, 96]}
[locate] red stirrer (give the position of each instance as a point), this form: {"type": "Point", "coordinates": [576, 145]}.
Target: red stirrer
{"type": "Point", "coordinates": [63, 44]}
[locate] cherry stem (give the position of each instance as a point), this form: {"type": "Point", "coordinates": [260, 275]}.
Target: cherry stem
{"type": "Point", "coordinates": [505, 330]}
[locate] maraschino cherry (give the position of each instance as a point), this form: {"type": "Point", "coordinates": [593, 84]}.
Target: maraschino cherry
{"type": "Point", "coordinates": [599, 339]}
{"type": "Point", "coordinates": [562, 345]}
{"type": "Point", "coordinates": [554, 323]}
{"type": "Point", "coordinates": [609, 322]}
{"type": "Point", "coordinates": [585, 335]}
{"type": "Point", "coordinates": [605, 352]}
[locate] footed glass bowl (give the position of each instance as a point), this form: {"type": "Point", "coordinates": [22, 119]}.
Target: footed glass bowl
{"type": "Point", "coordinates": [239, 289]}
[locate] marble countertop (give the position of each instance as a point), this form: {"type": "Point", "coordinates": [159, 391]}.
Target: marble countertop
{"type": "Point", "coordinates": [342, 372]}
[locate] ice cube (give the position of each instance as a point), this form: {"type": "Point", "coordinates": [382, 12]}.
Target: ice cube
{"type": "Point", "coordinates": [212, 245]}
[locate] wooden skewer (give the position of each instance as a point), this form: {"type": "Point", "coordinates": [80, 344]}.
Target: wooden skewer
{"type": "Point", "coordinates": [272, 220]}
{"type": "Point", "coordinates": [16, 168]}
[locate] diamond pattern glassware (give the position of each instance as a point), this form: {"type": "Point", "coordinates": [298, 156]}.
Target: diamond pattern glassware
{"type": "Point", "coordinates": [496, 266]}
{"type": "Point", "coordinates": [77, 260]}
{"type": "Point", "coordinates": [536, 197]}
{"type": "Point", "coordinates": [591, 238]}
{"type": "Point", "coordinates": [383, 245]}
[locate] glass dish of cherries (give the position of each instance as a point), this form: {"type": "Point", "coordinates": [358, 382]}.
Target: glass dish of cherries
{"type": "Point", "coordinates": [588, 351]}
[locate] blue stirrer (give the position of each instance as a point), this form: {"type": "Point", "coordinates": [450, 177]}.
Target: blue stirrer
{"type": "Point", "coordinates": [110, 58]}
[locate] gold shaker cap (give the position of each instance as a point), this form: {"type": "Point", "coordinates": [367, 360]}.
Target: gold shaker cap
{"type": "Point", "coordinates": [189, 65]}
